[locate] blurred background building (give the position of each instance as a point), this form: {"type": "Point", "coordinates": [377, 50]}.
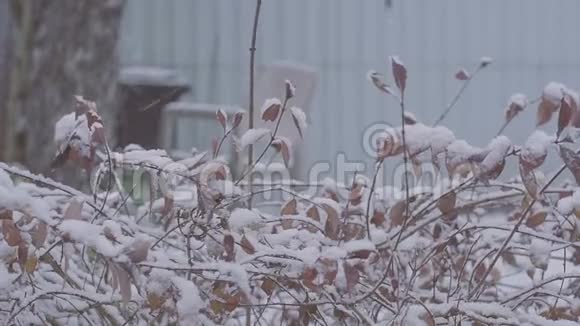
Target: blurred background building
{"type": "Point", "coordinates": [203, 46]}
{"type": "Point", "coordinates": [531, 42]}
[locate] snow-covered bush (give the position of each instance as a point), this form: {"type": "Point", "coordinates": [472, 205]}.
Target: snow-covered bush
{"type": "Point", "coordinates": [471, 250]}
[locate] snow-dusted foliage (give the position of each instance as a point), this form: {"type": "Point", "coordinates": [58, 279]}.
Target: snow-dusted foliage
{"type": "Point", "coordinates": [195, 248]}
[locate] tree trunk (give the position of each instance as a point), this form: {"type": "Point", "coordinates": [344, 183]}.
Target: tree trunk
{"type": "Point", "coordinates": [59, 49]}
{"type": "Point", "coordinates": [5, 38]}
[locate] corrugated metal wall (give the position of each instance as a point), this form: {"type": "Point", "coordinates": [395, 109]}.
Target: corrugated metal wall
{"type": "Point", "coordinates": [532, 42]}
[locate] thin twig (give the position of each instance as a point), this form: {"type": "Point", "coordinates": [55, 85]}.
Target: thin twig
{"type": "Point", "coordinates": [457, 96]}
{"type": "Point", "coordinates": [251, 104]}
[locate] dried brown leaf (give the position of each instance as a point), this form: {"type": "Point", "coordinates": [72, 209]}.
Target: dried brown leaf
{"type": "Point", "coordinates": [352, 276]}
{"type": "Point", "coordinates": [73, 210]}
{"type": "Point", "coordinates": [272, 112]}
{"type": "Point", "coordinates": [572, 161]}
{"type": "Point", "coordinates": [399, 73]}
{"type": "Point", "coordinates": [566, 113]}
{"type": "Point", "coordinates": [283, 145]}
{"type": "Point", "coordinates": [11, 233]}
{"type": "Point", "coordinates": [509, 258]}
{"type": "Point", "coordinates": [229, 247]}
{"type": "Point", "coordinates": [290, 208]}
{"type": "Point", "coordinates": [138, 250]}
{"type": "Point", "coordinates": [397, 213]}
{"type": "Point", "coordinates": [529, 180]}
{"type": "Point", "coordinates": [313, 213]}
{"type": "Point", "coordinates": [38, 234]}
{"type": "Point", "coordinates": [238, 117]}
{"type": "Point", "coordinates": [332, 226]}
{"type": "Point", "coordinates": [5, 214]}
{"type": "Point", "coordinates": [378, 218]}
{"type": "Point", "coordinates": [446, 203]}
{"type": "Point", "coordinates": [247, 246]}
{"type": "Point", "coordinates": [545, 110]}
{"type": "Point", "coordinates": [536, 219]}
{"type": "Point", "coordinates": [30, 265]}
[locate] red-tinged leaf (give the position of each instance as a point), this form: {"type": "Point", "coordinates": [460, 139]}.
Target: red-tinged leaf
{"type": "Point", "coordinates": [378, 80]}
{"type": "Point", "coordinates": [446, 203]}
{"type": "Point", "coordinates": [11, 233]}
{"type": "Point", "coordinates": [329, 267]}
{"type": "Point", "coordinates": [272, 112]}
{"type": "Point", "coordinates": [229, 247]}
{"type": "Point", "coordinates": [509, 258]}
{"type": "Point", "coordinates": [268, 286]}
{"type": "Point", "coordinates": [462, 74]}
{"type": "Point", "coordinates": [309, 276]}
{"type": "Point", "coordinates": [238, 117]}
{"type": "Point", "coordinates": [494, 172]}
{"type": "Point", "coordinates": [389, 145]}
{"type": "Point", "coordinates": [247, 246]}
{"type": "Point", "coordinates": [214, 146]}
{"type": "Point", "coordinates": [572, 161]}
{"type": "Point", "coordinates": [290, 208]}
{"type": "Point", "coordinates": [138, 250]}
{"type": "Point", "coordinates": [73, 210]}
{"type": "Point", "coordinates": [565, 115]}
{"type": "Point", "coordinates": [221, 172]}
{"type": "Point", "coordinates": [38, 234]}
{"type": "Point", "coordinates": [360, 254]}
{"type": "Point", "coordinates": [480, 271]}
{"type": "Point", "coordinates": [531, 160]}
{"type": "Point", "coordinates": [529, 180]}
{"type": "Point", "coordinates": [222, 118]}
{"type": "Point", "coordinates": [545, 110]}
{"type": "Point", "coordinates": [313, 213]}
{"type": "Point", "coordinates": [5, 214]}
{"type": "Point", "coordinates": [397, 213]}
{"type": "Point", "coordinates": [332, 226]}
{"type": "Point", "coordinates": [399, 73]}
{"type": "Point", "coordinates": [536, 218]}
{"type": "Point", "coordinates": [378, 218]}
{"type": "Point", "coordinates": [352, 276]}
{"type": "Point", "coordinates": [284, 146]}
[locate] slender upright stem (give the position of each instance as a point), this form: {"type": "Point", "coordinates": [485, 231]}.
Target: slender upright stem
{"type": "Point", "coordinates": [251, 104]}
{"type": "Point", "coordinates": [457, 97]}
